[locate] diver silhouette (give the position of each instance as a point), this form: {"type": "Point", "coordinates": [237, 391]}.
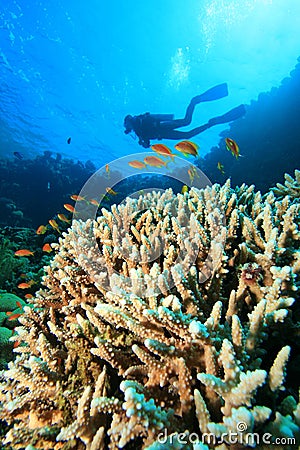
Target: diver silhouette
{"type": "Point", "coordinates": [163, 126]}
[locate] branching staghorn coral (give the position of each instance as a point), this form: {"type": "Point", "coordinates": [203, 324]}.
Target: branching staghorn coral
{"type": "Point", "coordinates": [291, 186]}
{"type": "Point", "coordinates": [164, 316]}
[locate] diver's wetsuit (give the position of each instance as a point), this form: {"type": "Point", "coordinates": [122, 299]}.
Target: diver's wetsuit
{"type": "Point", "coordinates": [163, 126]}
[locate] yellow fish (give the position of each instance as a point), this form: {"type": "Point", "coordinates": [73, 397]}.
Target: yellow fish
{"type": "Point", "coordinates": [232, 147]}
{"type": "Point", "coordinates": [63, 218]}
{"type": "Point", "coordinates": [184, 189]}
{"type": "Point", "coordinates": [111, 191]}
{"type": "Point", "coordinates": [187, 148]}
{"type": "Point", "coordinates": [221, 168]}
{"type": "Point", "coordinates": [41, 229]}
{"type": "Point", "coordinates": [54, 225]}
{"type": "Point", "coordinates": [192, 172]}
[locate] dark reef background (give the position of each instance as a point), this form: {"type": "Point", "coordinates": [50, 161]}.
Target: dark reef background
{"type": "Point", "coordinates": [268, 137]}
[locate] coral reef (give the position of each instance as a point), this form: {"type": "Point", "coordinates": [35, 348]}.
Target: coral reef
{"type": "Point", "coordinates": [51, 178]}
{"type": "Point", "coordinates": [9, 265]}
{"type": "Point", "coordinates": [168, 315]}
{"type": "Point", "coordinates": [10, 309]}
{"type": "Point", "coordinates": [291, 186]}
{"type": "Point", "coordinates": [15, 270]}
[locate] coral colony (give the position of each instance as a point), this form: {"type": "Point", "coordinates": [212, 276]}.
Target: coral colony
{"type": "Point", "coordinates": [136, 335]}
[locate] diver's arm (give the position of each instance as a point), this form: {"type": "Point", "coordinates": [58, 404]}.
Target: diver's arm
{"type": "Point", "coordinates": [144, 142]}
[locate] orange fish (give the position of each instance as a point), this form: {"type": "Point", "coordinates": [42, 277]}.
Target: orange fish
{"type": "Point", "coordinates": [54, 225]}
{"type": "Point", "coordinates": [69, 207]}
{"type": "Point", "coordinates": [163, 150]}
{"type": "Point", "coordinates": [63, 218]}
{"type": "Point", "coordinates": [24, 252]}
{"type": "Point", "coordinates": [13, 316]}
{"type": "Point", "coordinates": [28, 296]}
{"type": "Point", "coordinates": [77, 198]}
{"type": "Point", "coordinates": [47, 248]}
{"type": "Point", "coordinates": [137, 164]}
{"type": "Point", "coordinates": [94, 202]}
{"type": "Point", "coordinates": [24, 286]}
{"type": "Point", "coordinates": [41, 229]}
{"type": "Point", "coordinates": [154, 161]}
{"type": "Point", "coordinates": [187, 148]}
{"type": "Point", "coordinates": [232, 147]}
{"type": "Point", "coordinates": [111, 191]}
{"type": "Point", "coordinates": [107, 170]}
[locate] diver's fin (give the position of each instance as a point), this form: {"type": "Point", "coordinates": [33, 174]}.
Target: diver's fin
{"type": "Point", "coordinates": [216, 92]}
{"type": "Point", "coordinates": [231, 115]}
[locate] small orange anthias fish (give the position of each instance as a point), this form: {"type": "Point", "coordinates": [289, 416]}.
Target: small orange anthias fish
{"type": "Point", "coordinates": [107, 170]}
{"type": "Point", "coordinates": [24, 286]}
{"type": "Point", "coordinates": [41, 229]}
{"type": "Point", "coordinates": [24, 252]}
{"type": "Point", "coordinates": [47, 248]}
{"type": "Point", "coordinates": [137, 164]}
{"type": "Point", "coordinates": [163, 150]}
{"type": "Point", "coordinates": [154, 161]}
{"type": "Point", "coordinates": [109, 190]}
{"type": "Point", "coordinates": [232, 147]}
{"type": "Point", "coordinates": [221, 168]}
{"type": "Point", "coordinates": [13, 316]}
{"type": "Point", "coordinates": [28, 296]}
{"type": "Point", "coordinates": [63, 218]}
{"type": "Point", "coordinates": [77, 198]}
{"type": "Point", "coordinates": [187, 148]}
{"type": "Point", "coordinates": [54, 225]}
{"type": "Point", "coordinates": [69, 207]}
{"type": "Point", "coordinates": [94, 202]}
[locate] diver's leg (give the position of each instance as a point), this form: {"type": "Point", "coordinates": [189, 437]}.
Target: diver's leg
{"type": "Point", "coordinates": [177, 123]}
{"type": "Point", "coordinates": [230, 116]}
{"type": "Point", "coordinates": [216, 92]}
{"type": "Point", "coordinates": [176, 134]}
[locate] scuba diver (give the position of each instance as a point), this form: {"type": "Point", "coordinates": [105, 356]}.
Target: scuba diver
{"type": "Point", "coordinates": [163, 126]}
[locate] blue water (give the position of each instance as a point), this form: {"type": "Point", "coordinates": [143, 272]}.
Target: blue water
{"type": "Point", "coordinates": [75, 69]}
{"type": "Point", "coordinates": [71, 71]}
